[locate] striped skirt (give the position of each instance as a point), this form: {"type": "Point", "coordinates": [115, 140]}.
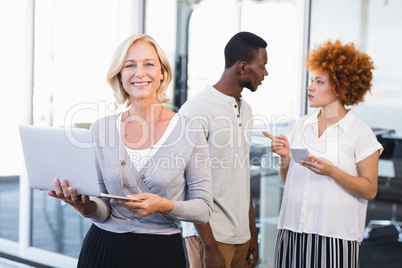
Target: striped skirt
{"type": "Point", "coordinates": [301, 250]}
{"type": "Point", "coordinates": [103, 249]}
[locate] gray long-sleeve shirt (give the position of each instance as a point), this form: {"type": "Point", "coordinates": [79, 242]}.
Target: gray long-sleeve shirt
{"type": "Point", "coordinates": [178, 171]}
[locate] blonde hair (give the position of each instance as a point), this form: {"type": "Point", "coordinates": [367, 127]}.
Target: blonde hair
{"type": "Point", "coordinates": [113, 74]}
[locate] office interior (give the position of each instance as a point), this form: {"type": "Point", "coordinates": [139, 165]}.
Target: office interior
{"type": "Point", "coordinates": [55, 54]}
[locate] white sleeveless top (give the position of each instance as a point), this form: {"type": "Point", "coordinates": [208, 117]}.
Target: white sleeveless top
{"type": "Point", "coordinates": [140, 157]}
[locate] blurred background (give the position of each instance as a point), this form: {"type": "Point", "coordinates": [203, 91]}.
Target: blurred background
{"type": "Point", "coordinates": [54, 55]}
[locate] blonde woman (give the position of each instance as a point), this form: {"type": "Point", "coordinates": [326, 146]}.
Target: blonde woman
{"type": "Point", "coordinates": [146, 153]}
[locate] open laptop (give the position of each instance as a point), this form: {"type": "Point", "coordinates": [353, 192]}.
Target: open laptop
{"type": "Point", "coordinates": [63, 153]}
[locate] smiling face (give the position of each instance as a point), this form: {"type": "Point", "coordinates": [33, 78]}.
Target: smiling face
{"type": "Point", "coordinates": [256, 70]}
{"type": "Point", "coordinates": [320, 90]}
{"type": "Point", "coordinates": [141, 74]}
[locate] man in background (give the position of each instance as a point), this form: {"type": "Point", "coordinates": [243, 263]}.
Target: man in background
{"type": "Point", "coordinates": [229, 239]}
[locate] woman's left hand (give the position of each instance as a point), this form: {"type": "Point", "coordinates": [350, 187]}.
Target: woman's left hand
{"type": "Point", "coordinates": [320, 165]}
{"type": "Point", "coordinates": [151, 203]}
{"type": "Point", "coordinates": [68, 195]}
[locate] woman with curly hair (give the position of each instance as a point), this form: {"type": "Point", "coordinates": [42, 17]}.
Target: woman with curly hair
{"type": "Point", "coordinates": [323, 211]}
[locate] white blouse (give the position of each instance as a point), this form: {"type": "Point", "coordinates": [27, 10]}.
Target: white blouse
{"type": "Point", "coordinates": [315, 203]}
{"type": "Point", "coordinates": [140, 157]}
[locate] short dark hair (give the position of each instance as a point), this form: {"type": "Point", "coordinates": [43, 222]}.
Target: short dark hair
{"type": "Point", "coordinates": [243, 46]}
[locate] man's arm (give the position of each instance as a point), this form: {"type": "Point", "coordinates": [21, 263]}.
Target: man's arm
{"type": "Point", "coordinates": [252, 255]}
{"type": "Point", "coordinates": [212, 256]}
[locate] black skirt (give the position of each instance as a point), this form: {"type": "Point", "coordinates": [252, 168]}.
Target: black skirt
{"type": "Point", "coordinates": [107, 249]}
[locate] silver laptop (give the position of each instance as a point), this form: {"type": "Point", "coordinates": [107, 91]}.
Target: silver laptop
{"type": "Point", "coordinates": [58, 152]}
{"type": "Point", "coordinates": [63, 153]}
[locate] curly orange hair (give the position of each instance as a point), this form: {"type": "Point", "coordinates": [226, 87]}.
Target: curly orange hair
{"type": "Point", "coordinates": [349, 69]}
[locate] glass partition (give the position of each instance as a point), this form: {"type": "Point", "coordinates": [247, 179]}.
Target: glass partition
{"type": "Point", "coordinates": [157, 13]}
{"type": "Point", "coordinates": [373, 26]}
{"type": "Point", "coordinates": [65, 67]}
{"type": "Point", "coordinates": [72, 54]}
{"type": "Point", "coordinates": [276, 103]}
{"type": "Point", "coordinates": [9, 207]}
{"type": "Point", "coordinates": [13, 66]}
{"type": "Point", "coordinates": [56, 226]}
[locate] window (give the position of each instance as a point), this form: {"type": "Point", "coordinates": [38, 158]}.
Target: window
{"type": "Point", "coordinates": [72, 54]}
{"type": "Point", "coordinates": [160, 23]}
{"type": "Point", "coordinates": [65, 67]}
{"type": "Point", "coordinates": [372, 25]}
{"type": "Point", "coordinates": [276, 103]}
{"type": "Point", "coordinates": [13, 66]}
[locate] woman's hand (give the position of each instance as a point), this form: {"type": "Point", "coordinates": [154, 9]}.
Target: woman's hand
{"type": "Point", "coordinates": [279, 145]}
{"type": "Point", "coordinates": [364, 185]}
{"type": "Point", "coordinates": [320, 165]}
{"type": "Point", "coordinates": [152, 204]}
{"type": "Point", "coordinates": [68, 195]}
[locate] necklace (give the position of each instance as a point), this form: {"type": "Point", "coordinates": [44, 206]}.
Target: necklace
{"type": "Point", "coordinates": [123, 163]}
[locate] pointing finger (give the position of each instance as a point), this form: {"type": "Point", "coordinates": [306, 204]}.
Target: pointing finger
{"type": "Point", "coordinates": [268, 135]}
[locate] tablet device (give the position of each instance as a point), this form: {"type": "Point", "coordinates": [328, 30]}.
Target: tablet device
{"type": "Point", "coordinates": [120, 197]}
{"type": "Point", "coordinates": [299, 154]}
{"type": "Point", "coordinates": [63, 153]}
